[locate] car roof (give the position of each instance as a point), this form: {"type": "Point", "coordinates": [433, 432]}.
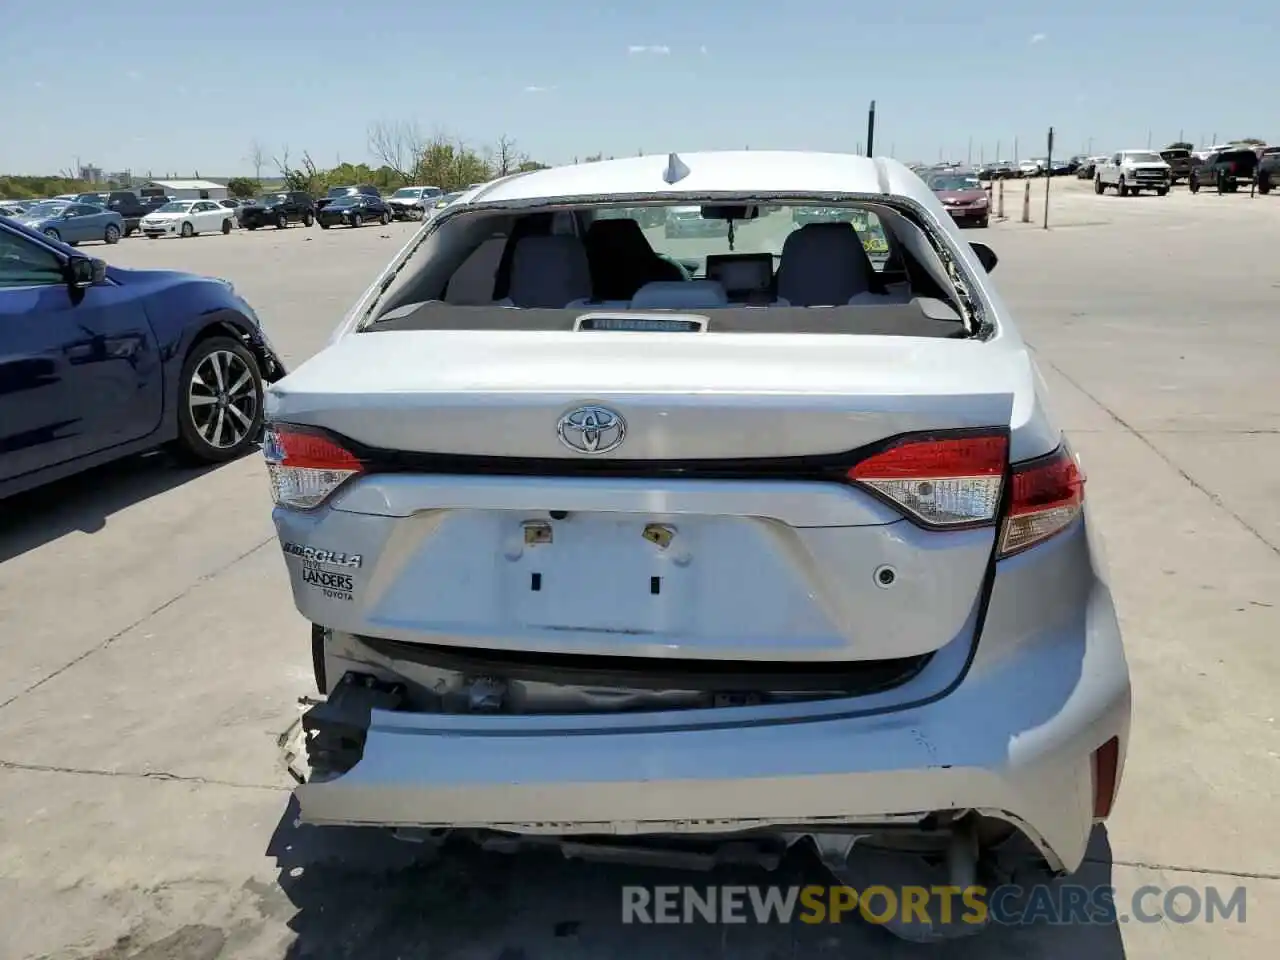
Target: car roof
{"type": "Point", "coordinates": [731, 172]}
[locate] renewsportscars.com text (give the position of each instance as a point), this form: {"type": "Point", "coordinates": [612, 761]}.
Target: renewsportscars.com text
{"type": "Point", "coordinates": [1006, 905]}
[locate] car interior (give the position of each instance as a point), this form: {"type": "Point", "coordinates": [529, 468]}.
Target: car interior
{"type": "Point", "coordinates": [578, 259]}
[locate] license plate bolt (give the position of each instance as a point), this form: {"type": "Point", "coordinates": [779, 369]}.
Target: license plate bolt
{"type": "Point", "coordinates": [660, 534]}
{"type": "Point", "coordinates": [536, 532]}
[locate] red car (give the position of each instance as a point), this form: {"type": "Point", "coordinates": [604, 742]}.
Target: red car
{"type": "Point", "coordinates": [964, 198]}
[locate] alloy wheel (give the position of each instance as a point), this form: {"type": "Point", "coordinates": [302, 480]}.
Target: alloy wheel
{"type": "Point", "coordinates": [223, 399]}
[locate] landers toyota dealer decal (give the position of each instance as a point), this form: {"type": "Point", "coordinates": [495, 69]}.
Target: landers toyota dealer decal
{"type": "Point", "coordinates": [334, 584]}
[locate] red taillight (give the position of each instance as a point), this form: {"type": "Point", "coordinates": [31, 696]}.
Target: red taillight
{"type": "Point", "coordinates": [939, 480]}
{"type": "Point", "coordinates": [306, 465]}
{"type": "Point", "coordinates": [1045, 496]}
{"type": "Point", "coordinates": [1106, 777]}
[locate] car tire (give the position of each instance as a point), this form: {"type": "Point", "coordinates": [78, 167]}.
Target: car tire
{"type": "Point", "coordinates": [52, 234]}
{"type": "Point", "coordinates": [111, 234]}
{"type": "Point", "coordinates": [1121, 189]}
{"type": "Point", "coordinates": [323, 225]}
{"type": "Point", "coordinates": [308, 219]}
{"type": "Point", "coordinates": [1162, 191]}
{"type": "Point", "coordinates": [187, 230]}
{"type": "Point", "coordinates": [282, 222]}
{"type": "Point", "coordinates": [251, 226]}
{"type": "Point", "coordinates": [1264, 185]}
{"type": "Point", "coordinates": [385, 218]}
{"type": "Point", "coordinates": [1193, 184]}
{"type": "Point", "coordinates": [202, 437]}
{"type": "Point", "coordinates": [1097, 185]}
{"type": "Point", "coordinates": [357, 220]}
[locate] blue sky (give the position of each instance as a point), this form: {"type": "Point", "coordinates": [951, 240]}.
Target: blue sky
{"type": "Point", "coordinates": [179, 88]}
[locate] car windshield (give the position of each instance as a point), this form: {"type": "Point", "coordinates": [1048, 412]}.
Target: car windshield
{"type": "Point", "coordinates": [448, 198]}
{"type": "Point", "coordinates": [45, 210]}
{"type": "Point", "coordinates": [338, 191]}
{"type": "Point", "coordinates": [1142, 157]}
{"type": "Point", "coordinates": [408, 192]}
{"type": "Point", "coordinates": [346, 202]}
{"type": "Point", "coordinates": [267, 198]}
{"type": "Point", "coordinates": [682, 234]}
{"type": "Point", "coordinates": [177, 206]}
{"type": "Point", "coordinates": [955, 183]}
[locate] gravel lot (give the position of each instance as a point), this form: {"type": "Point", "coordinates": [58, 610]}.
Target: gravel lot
{"type": "Point", "coordinates": [152, 652]}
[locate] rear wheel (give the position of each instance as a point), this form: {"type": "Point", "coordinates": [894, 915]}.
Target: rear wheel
{"type": "Point", "coordinates": [1193, 184]}
{"type": "Point", "coordinates": [281, 222]}
{"type": "Point", "coordinates": [111, 234]}
{"type": "Point", "coordinates": [220, 403]}
{"type": "Point", "coordinates": [53, 234]}
{"type": "Point", "coordinates": [385, 218]}
{"type": "Point", "coordinates": [226, 227]}
{"type": "Point", "coordinates": [357, 220]}
{"type": "Point", "coordinates": [308, 219]}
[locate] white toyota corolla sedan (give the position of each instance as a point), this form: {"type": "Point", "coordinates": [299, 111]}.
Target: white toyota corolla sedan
{"type": "Point", "coordinates": [624, 539]}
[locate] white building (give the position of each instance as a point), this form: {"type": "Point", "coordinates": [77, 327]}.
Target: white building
{"type": "Point", "coordinates": [190, 189]}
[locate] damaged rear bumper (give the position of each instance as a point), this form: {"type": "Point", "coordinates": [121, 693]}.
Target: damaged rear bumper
{"type": "Point", "coordinates": [1012, 734]}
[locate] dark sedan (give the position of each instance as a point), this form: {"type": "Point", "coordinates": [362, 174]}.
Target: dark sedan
{"type": "Point", "coordinates": [99, 362]}
{"type": "Point", "coordinates": [354, 211]}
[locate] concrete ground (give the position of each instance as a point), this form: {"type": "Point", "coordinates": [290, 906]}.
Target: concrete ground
{"type": "Point", "coordinates": [152, 653]}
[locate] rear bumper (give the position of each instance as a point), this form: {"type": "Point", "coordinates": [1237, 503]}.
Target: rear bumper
{"type": "Point", "coordinates": [1006, 727]}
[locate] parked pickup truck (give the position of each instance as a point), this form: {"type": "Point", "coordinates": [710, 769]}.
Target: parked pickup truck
{"type": "Point", "coordinates": [128, 204]}
{"type": "Point", "coordinates": [1180, 161]}
{"type": "Point", "coordinates": [1132, 171]}
{"type": "Point", "coordinates": [1269, 170]}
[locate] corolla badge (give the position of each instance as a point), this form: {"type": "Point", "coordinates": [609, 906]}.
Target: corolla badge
{"type": "Point", "coordinates": [592, 429]}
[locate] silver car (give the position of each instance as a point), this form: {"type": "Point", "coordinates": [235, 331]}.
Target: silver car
{"type": "Point", "coordinates": [787, 552]}
{"type": "Point", "coordinates": [72, 222]}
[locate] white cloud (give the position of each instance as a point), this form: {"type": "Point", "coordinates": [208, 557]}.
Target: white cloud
{"type": "Point", "coordinates": [537, 89]}
{"type": "Point", "coordinates": [703, 49]}
{"type": "Point", "coordinates": [1038, 38]}
{"type": "Point", "coordinates": [657, 49]}
{"type": "Point", "coordinates": [134, 75]}
{"type": "Point", "coordinates": [39, 84]}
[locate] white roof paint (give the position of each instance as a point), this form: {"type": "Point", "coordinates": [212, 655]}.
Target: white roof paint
{"type": "Point", "coordinates": [730, 171]}
{"type": "Point", "coordinates": [187, 184]}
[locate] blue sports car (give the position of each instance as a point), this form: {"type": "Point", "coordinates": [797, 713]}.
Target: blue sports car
{"type": "Point", "coordinates": [73, 222]}
{"type": "Point", "coordinates": [98, 362]}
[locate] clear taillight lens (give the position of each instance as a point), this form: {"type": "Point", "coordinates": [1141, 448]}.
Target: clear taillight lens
{"type": "Point", "coordinates": [1046, 495]}
{"type": "Point", "coordinates": [305, 465]}
{"type": "Point", "coordinates": [938, 480]}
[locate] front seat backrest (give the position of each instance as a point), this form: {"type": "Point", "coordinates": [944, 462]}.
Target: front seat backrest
{"type": "Point", "coordinates": [549, 272]}
{"type": "Point", "coordinates": [824, 264]}
{"type": "Point", "coordinates": [622, 261]}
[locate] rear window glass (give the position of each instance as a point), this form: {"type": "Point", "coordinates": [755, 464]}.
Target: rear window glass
{"type": "Point", "coordinates": [790, 268]}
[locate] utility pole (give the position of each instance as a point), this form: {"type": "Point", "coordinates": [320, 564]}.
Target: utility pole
{"type": "Point", "coordinates": [997, 151]}
{"type": "Point", "coordinates": [871, 129]}
{"type": "Point", "coordinates": [1015, 151]}
{"type": "Point", "coordinates": [1090, 151]}
{"type": "Point", "coordinates": [968, 160]}
{"type": "Point", "coordinates": [1148, 139]}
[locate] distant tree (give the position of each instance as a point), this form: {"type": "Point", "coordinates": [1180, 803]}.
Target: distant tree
{"type": "Point", "coordinates": [529, 165]}
{"type": "Point", "coordinates": [243, 187]}
{"type": "Point", "coordinates": [1181, 145]}
{"type": "Point", "coordinates": [398, 145]}
{"type": "Point", "coordinates": [258, 158]}
{"type": "Point", "coordinates": [594, 158]}
{"type": "Point", "coordinates": [1253, 141]}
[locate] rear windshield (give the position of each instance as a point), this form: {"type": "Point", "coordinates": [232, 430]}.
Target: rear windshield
{"type": "Point", "coordinates": [787, 268]}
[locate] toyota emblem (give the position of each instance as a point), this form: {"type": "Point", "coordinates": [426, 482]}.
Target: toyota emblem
{"type": "Point", "coordinates": [592, 429]}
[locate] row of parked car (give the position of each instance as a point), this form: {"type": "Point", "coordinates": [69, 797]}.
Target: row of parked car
{"type": "Point", "coordinates": [107, 217]}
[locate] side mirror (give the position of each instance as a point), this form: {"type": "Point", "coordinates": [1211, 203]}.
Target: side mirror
{"type": "Point", "coordinates": [986, 256]}
{"type": "Point", "coordinates": [84, 272]}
